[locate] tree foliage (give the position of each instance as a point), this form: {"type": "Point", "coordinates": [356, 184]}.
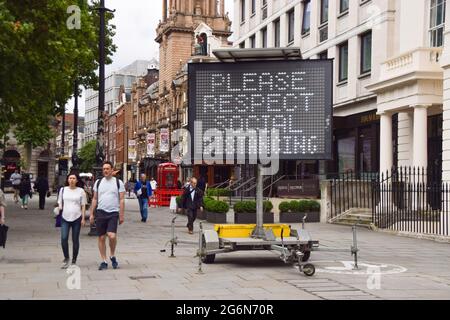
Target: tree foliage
{"type": "Point", "coordinates": [87, 156]}
{"type": "Point", "coordinates": [40, 60]}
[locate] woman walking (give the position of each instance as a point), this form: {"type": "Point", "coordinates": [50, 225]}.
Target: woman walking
{"type": "Point", "coordinates": [25, 191]}
{"type": "Point", "coordinates": [72, 202]}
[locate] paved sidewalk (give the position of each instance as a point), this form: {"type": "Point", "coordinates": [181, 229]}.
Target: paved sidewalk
{"type": "Point", "coordinates": [29, 266]}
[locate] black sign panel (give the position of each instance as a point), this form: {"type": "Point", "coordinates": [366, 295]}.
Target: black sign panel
{"type": "Point", "coordinates": [293, 97]}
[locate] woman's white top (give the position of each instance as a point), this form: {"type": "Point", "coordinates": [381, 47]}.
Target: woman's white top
{"type": "Point", "coordinates": [73, 200]}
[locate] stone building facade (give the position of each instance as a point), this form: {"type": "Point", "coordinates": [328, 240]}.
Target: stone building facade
{"type": "Point", "coordinates": [161, 108]}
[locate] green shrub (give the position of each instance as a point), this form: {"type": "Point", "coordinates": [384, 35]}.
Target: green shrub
{"type": "Point", "coordinates": [267, 206]}
{"type": "Point", "coordinates": [303, 206]}
{"type": "Point", "coordinates": [294, 206]}
{"type": "Point", "coordinates": [218, 192]}
{"type": "Point", "coordinates": [250, 206]}
{"type": "Point", "coordinates": [284, 206]}
{"type": "Point", "coordinates": [314, 206]}
{"type": "Point", "coordinates": [239, 207]}
{"type": "Point", "coordinates": [216, 206]}
{"type": "Point", "coordinates": [207, 199]}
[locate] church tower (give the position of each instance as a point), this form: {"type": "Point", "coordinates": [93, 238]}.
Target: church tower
{"type": "Point", "coordinates": [176, 33]}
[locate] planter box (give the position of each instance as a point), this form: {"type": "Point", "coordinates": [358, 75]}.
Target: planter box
{"type": "Point", "coordinates": [297, 217]}
{"type": "Point", "coordinates": [201, 214]}
{"type": "Point", "coordinates": [246, 218]}
{"type": "Point", "coordinates": [215, 217]}
{"type": "Point", "coordinates": [291, 217]}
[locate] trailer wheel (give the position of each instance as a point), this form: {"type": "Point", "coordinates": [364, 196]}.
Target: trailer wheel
{"type": "Point", "coordinates": [209, 259]}
{"type": "Point", "coordinates": [308, 269]}
{"type": "Point", "coordinates": [306, 256]}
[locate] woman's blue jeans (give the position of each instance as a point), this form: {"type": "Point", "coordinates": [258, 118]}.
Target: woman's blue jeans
{"type": "Point", "coordinates": [65, 229]}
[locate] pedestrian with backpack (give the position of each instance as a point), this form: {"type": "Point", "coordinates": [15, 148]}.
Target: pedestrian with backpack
{"type": "Point", "coordinates": [108, 210]}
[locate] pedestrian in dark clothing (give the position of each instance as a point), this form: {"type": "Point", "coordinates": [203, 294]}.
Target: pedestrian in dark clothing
{"type": "Point", "coordinates": [192, 200]}
{"type": "Point", "coordinates": [202, 184]}
{"type": "Point", "coordinates": [42, 188]}
{"type": "Point", "coordinates": [25, 191]}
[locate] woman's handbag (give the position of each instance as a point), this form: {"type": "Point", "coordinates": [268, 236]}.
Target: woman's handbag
{"type": "Point", "coordinates": [59, 216]}
{"type": "Point", "coordinates": [49, 194]}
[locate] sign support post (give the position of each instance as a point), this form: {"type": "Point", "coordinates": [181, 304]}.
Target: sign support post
{"type": "Point", "coordinates": [259, 230]}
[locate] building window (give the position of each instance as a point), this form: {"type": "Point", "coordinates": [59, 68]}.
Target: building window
{"type": "Point", "coordinates": [306, 25]}
{"type": "Point", "coordinates": [242, 10]}
{"type": "Point", "coordinates": [366, 52]}
{"type": "Point", "coordinates": [346, 154]}
{"type": "Point", "coordinates": [291, 26]}
{"type": "Point", "coordinates": [264, 9]}
{"type": "Point", "coordinates": [264, 37]}
{"type": "Point", "coordinates": [323, 11]}
{"type": "Point", "coordinates": [437, 23]}
{"type": "Point", "coordinates": [253, 7]}
{"type": "Point", "coordinates": [323, 55]}
{"type": "Point", "coordinates": [253, 41]}
{"type": "Point", "coordinates": [343, 6]}
{"type": "Point", "coordinates": [343, 62]}
{"type": "Point", "coordinates": [242, 45]}
{"type": "Point", "coordinates": [323, 33]}
{"type": "Point", "coordinates": [276, 30]}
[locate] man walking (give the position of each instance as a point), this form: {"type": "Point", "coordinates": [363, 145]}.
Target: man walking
{"type": "Point", "coordinates": [15, 179]}
{"type": "Point", "coordinates": [108, 209]}
{"type": "Point", "coordinates": [42, 188]}
{"type": "Point", "coordinates": [192, 201]}
{"type": "Point", "coordinates": [143, 190]}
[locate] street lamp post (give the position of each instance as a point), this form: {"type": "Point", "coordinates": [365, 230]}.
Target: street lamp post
{"type": "Point", "coordinates": [62, 162]}
{"type": "Point", "coordinates": [75, 159]}
{"type": "Point", "coordinates": [99, 149]}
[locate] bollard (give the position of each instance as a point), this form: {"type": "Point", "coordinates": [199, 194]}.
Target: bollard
{"type": "Point", "coordinates": [200, 251]}
{"type": "Point", "coordinates": [354, 248]}
{"type": "Point", "coordinates": [173, 240]}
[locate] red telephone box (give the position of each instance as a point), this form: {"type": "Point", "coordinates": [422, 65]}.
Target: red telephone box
{"type": "Point", "coordinates": [167, 178]}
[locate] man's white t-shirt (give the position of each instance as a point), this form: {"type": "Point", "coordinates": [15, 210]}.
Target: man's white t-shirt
{"type": "Point", "coordinates": [108, 196]}
{"type": "Point", "coordinates": [73, 200]}
{"type": "Point", "coordinates": [15, 179]}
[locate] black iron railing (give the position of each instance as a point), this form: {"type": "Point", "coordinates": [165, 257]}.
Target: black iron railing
{"type": "Point", "coordinates": [350, 190]}
{"type": "Point", "coordinates": [411, 200]}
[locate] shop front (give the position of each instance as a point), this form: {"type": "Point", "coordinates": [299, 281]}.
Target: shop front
{"type": "Point", "coordinates": [356, 144]}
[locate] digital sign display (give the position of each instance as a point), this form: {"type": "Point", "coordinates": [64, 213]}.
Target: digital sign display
{"type": "Point", "coordinates": [291, 96]}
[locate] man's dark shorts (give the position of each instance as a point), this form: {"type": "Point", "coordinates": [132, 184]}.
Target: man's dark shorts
{"type": "Point", "coordinates": [16, 187]}
{"type": "Point", "coordinates": [106, 222]}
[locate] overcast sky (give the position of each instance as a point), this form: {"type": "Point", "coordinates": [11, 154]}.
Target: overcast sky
{"type": "Point", "coordinates": [136, 22]}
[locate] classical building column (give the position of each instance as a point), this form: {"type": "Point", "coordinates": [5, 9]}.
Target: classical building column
{"type": "Point", "coordinates": [420, 153]}
{"type": "Point", "coordinates": [386, 157]}
{"type": "Point", "coordinates": [405, 139]}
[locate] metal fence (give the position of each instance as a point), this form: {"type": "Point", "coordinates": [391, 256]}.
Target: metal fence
{"type": "Point", "coordinates": [411, 200]}
{"type": "Point", "coordinates": [351, 190]}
